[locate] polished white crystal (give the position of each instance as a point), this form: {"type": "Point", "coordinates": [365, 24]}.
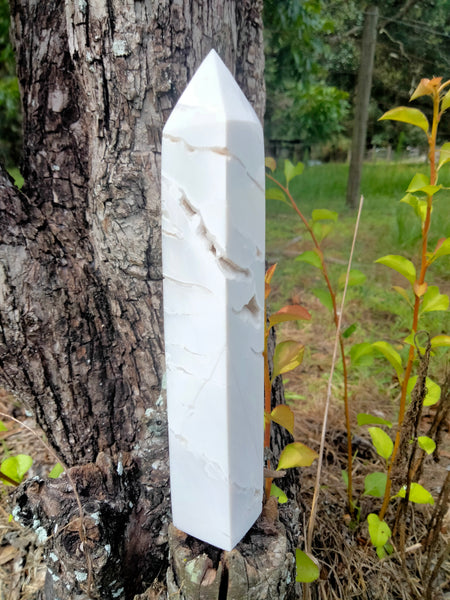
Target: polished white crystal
{"type": "Point", "coordinates": [213, 220]}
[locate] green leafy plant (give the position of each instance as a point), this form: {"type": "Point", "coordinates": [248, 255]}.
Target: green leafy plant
{"type": "Point", "coordinates": [288, 355]}
{"type": "Point", "coordinates": [14, 468]}
{"type": "Point", "coordinates": [404, 451]}
{"type": "Point", "coordinates": [13, 472]}
{"type": "Point", "coordinates": [421, 297]}
{"type": "Point", "coordinates": [318, 228]}
{"type": "Point", "coordinates": [298, 454]}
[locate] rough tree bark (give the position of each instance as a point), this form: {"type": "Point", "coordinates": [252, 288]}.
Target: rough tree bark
{"type": "Point", "coordinates": [80, 273]}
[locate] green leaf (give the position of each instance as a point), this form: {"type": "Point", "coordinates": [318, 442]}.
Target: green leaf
{"type": "Point", "coordinates": [440, 340]}
{"type": "Point", "coordinates": [419, 206]}
{"type": "Point", "coordinates": [296, 455]}
{"type": "Point", "coordinates": [56, 471]}
{"type": "Point", "coordinates": [433, 390]}
{"type": "Point", "coordinates": [283, 415]}
{"type": "Point", "coordinates": [275, 491]}
{"type": "Point", "coordinates": [418, 182]}
{"type": "Point", "coordinates": [389, 548]}
{"type": "Point", "coordinates": [311, 258]}
{"type": "Point", "coordinates": [15, 467]}
{"type": "Point", "coordinates": [433, 300]}
{"type": "Point", "coordinates": [270, 163]}
{"type": "Point", "coordinates": [400, 264]}
{"type": "Point", "coordinates": [361, 354]}
{"type": "Point", "coordinates": [274, 193]}
{"type": "Point", "coordinates": [375, 484]}
{"type": "Point", "coordinates": [431, 190]}
{"type": "Point", "coordinates": [381, 552]}
{"type": "Point", "coordinates": [444, 155]}
{"type": "Point", "coordinates": [417, 494]}
{"type": "Point", "coordinates": [443, 249]}
{"type": "Point", "coordinates": [345, 477]}
{"type": "Point", "coordinates": [294, 312]}
{"type": "Point", "coordinates": [413, 116]}
{"type": "Point", "coordinates": [348, 332]}
{"type": "Point", "coordinates": [321, 230]}
{"type": "Point", "coordinates": [292, 395]}
{"type": "Point", "coordinates": [3, 426]}
{"type": "Point", "coordinates": [288, 355]}
{"type": "Point", "coordinates": [412, 341]}
{"type": "Point", "coordinates": [378, 530]}
{"type": "Point", "coordinates": [307, 569]}
{"type": "Point", "coordinates": [382, 442]}
{"type": "Point", "coordinates": [367, 419]}
{"type": "Point", "coordinates": [324, 297]}
{"type": "Point", "coordinates": [445, 101]}
{"type": "Point", "coordinates": [355, 278]}
{"type": "Point", "coordinates": [421, 183]}
{"type": "Point", "coordinates": [392, 355]}
{"type": "Point", "coordinates": [426, 443]}
{"type": "Point", "coordinates": [323, 214]}
{"type": "Point", "coordinates": [403, 293]}
{"type": "Point", "coordinates": [291, 171]}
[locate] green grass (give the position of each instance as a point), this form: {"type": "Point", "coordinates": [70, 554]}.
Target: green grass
{"type": "Point", "coordinates": [387, 227]}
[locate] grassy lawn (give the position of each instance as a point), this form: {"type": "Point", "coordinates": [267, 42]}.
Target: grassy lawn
{"type": "Point", "coordinates": [387, 227]}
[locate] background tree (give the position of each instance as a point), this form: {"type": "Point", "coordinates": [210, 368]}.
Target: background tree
{"type": "Point", "coordinates": [80, 267]}
{"type": "Point", "coordinates": [361, 110]}
{"type": "Point", "coordinates": [302, 109]}
{"type": "Point", "coordinates": [411, 37]}
{"type": "Point", "coordinates": [312, 60]}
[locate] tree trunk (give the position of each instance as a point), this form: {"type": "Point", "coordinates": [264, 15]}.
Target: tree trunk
{"type": "Point", "coordinates": [362, 106]}
{"type": "Point", "coordinates": [80, 267]}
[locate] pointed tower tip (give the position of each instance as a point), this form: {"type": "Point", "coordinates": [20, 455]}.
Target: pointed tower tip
{"type": "Point", "coordinates": [214, 91]}
{"type": "Point", "coordinates": [213, 53]}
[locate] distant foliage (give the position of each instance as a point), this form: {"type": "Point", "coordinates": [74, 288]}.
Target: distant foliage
{"type": "Point", "coordinates": [10, 116]}
{"type": "Point", "coordinates": [312, 60]}
{"type": "Point", "coordinates": [412, 42]}
{"type": "Point", "coordinates": [301, 106]}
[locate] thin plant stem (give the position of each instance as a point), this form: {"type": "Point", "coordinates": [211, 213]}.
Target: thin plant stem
{"type": "Point", "coordinates": [341, 340]}
{"type": "Point", "coordinates": [312, 517]}
{"type": "Point", "coordinates": [7, 479]}
{"type": "Point", "coordinates": [267, 399]}
{"type": "Point", "coordinates": [424, 264]}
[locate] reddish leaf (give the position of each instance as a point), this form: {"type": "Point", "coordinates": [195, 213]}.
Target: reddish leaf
{"type": "Point", "coordinates": [420, 289]}
{"type": "Point", "coordinates": [294, 312]}
{"type": "Point", "coordinates": [425, 88]}
{"type": "Point", "coordinates": [269, 273]}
